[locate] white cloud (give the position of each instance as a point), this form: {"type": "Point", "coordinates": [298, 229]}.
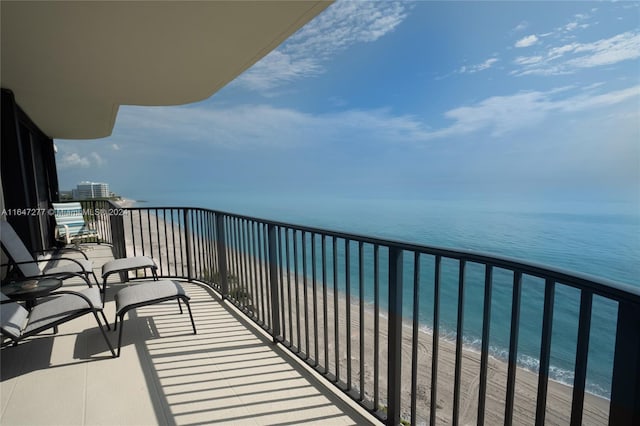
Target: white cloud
{"type": "Point", "coordinates": [252, 126]}
{"type": "Point", "coordinates": [527, 41]}
{"type": "Point", "coordinates": [503, 114]}
{"type": "Point", "coordinates": [521, 26]}
{"type": "Point", "coordinates": [570, 57]}
{"type": "Point", "coordinates": [340, 26]}
{"type": "Point", "coordinates": [97, 159]}
{"type": "Point", "coordinates": [249, 127]}
{"type": "Point", "coordinates": [73, 160]}
{"type": "Point", "coordinates": [571, 26]}
{"type": "Point", "coordinates": [479, 67]}
{"type": "Point", "coordinates": [608, 51]}
{"type": "Point", "coordinates": [584, 102]}
{"type": "Point", "coordinates": [528, 60]}
{"type": "Point", "coordinates": [115, 147]}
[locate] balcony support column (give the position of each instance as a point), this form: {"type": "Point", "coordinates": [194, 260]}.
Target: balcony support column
{"type": "Point", "coordinates": [273, 282]}
{"type": "Point", "coordinates": [625, 386]}
{"type": "Point", "coordinates": [394, 370]}
{"type": "Point", "coordinates": [221, 246]}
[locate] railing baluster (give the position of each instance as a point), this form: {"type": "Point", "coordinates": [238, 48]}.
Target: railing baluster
{"type": "Point", "coordinates": [394, 339]}
{"type": "Point", "coordinates": [513, 347]}
{"type": "Point", "coordinates": [141, 231]}
{"type": "Point", "coordinates": [187, 243]}
{"type": "Point", "coordinates": [305, 294]}
{"type": "Point", "coordinates": [222, 256]}
{"type": "Point", "coordinates": [347, 267]}
{"type": "Point", "coordinates": [325, 311]}
{"type": "Point", "coordinates": [173, 240]}
{"type": "Point", "coordinates": [459, 341]}
{"type": "Point", "coordinates": [202, 244]}
{"type": "Point", "coordinates": [268, 301]}
{"type": "Point", "coordinates": [545, 351]}
{"type": "Point", "coordinates": [237, 258]}
{"type": "Point", "coordinates": [281, 286]}
{"type": "Point", "coordinates": [150, 234]}
{"type": "Point", "coordinates": [297, 284]}
{"type": "Point", "coordinates": [414, 337]}
{"type": "Point", "coordinates": [209, 239]}
{"type": "Point", "coordinates": [273, 282]}
{"type": "Point", "coordinates": [133, 235]}
{"type": "Point", "coordinates": [376, 327]}
{"type": "Point", "coordinates": [159, 237]}
{"type": "Point", "coordinates": [336, 307]}
{"type": "Point", "coordinates": [484, 357]}
{"type": "Point", "coordinates": [435, 342]}
{"type": "Point", "coordinates": [582, 352]}
{"type": "Point", "coordinates": [361, 312]}
{"type": "Point", "coordinates": [289, 310]}
{"type": "Point", "coordinates": [166, 243]}
{"type": "Point", "coordinates": [181, 237]}
{"type": "Point", "coordinates": [244, 252]}
{"type": "Point", "coordinates": [255, 265]}
{"type": "Point", "coordinates": [314, 294]}
{"type": "Point", "coordinates": [624, 409]}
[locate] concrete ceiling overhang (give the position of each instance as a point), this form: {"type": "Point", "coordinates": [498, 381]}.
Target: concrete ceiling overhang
{"type": "Point", "coordinates": [71, 64]}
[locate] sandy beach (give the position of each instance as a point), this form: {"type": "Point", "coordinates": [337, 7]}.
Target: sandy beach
{"type": "Point", "coordinates": [558, 411]}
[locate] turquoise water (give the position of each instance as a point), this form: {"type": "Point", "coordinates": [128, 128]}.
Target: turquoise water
{"type": "Point", "coordinates": [600, 238]}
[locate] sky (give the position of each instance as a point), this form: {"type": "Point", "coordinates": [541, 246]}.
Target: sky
{"type": "Point", "coordinates": [408, 99]}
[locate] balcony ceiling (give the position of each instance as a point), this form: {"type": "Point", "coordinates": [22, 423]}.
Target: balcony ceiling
{"type": "Point", "coordinates": [71, 64]}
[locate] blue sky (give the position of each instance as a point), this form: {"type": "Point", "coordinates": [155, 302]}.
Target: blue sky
{"type": "Point", "coordinates": [402, 99]}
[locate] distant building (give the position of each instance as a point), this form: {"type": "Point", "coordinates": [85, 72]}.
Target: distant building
{"type": "Point", "coordinates": [87, 190]}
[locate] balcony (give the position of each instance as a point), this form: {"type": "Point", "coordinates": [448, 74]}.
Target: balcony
{"type": "Point", "coordinates": [230, 372]}
{"type": "Point", "coordinates": [297, 324]}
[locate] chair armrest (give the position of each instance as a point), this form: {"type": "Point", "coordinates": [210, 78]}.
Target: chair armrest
{"type": "Point", "coordinates": [26, 262]}
{"type": "Point", "coordinates": [75, 293]}
{"type": "Point", "coordinates": [75, 250]}
{"type": "Point", "coordinates": [61, 275]}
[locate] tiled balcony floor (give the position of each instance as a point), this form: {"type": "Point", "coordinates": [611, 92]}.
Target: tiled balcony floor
{"type": "Point", "coordinates": [228, 373]}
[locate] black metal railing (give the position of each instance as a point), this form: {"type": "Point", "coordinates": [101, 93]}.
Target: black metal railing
{"type": "Point", "coordinates": [353, 308]}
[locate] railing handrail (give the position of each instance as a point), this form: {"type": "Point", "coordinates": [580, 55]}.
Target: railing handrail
{"type": "Point", "coordinates": [598, 285]}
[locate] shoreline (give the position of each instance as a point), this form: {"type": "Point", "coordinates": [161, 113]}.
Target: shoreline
{"type": "Point", "coordinates": [126, 203]}
{"type": "Point", "coordinates": [559, 395]}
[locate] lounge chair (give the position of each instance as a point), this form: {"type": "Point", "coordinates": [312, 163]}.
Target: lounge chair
{"type": "Point", "coordinates": [47, 263]}
{"type": "Point", "coordinates": [17, 323]}
{"type": "Point", "coordinates": [70, 223]}
{"type": "Point", "coordinates": [146, 294]}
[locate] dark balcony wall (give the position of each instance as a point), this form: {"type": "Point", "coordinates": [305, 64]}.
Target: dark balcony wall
{"type": "Point", "coordinates": [29, 177]}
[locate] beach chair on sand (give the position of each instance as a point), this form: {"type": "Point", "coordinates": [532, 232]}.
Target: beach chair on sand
{"type": "Point", "coordinates": [70, 223]}
{"type": "Point", "coordinates": [47, 263]}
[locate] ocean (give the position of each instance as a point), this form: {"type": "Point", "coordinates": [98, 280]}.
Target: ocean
{"type": "Point", "coordinates": [587, 235]}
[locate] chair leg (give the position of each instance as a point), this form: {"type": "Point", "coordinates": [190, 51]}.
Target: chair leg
{"type": "Point", "coordinates": [104, 334]}
{"type": "Point", "coordinates": [120, 334]}
{"type": "Point", "coordinates": [193, 324]}
{"type": "Point", "coordinates": [179, 305]}
{"type": "Point", "coordinates": [95, 279]}
{"type": "Point", "coordinates": [104, 290]}
{"type": "Point", "coordinates": [104, 317]}
{"type": "Point", "coordinates": [85, 276]}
